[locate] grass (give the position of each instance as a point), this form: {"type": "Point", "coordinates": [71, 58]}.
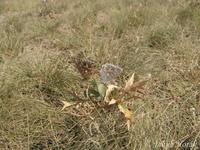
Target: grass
{"type": "Point", "coordinates": [38, 43]}
{"type": "Point", "coordinates": [162, 38]}
{"type": "Point", "coordinates": [190, 15]}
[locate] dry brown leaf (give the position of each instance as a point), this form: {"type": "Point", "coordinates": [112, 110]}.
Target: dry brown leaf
{"type": "Point", "coordinates": [127, 113]}
{"type": "Point", "coordinates": [129, 83]}
{"type": "Point", "coordinates": [113, 101]}
{"type": "Point", "coordinates": [109, 91]}
{"type": "Point", "coordinates": [67, 104]}
{"type": "Point", "coordinates": [138, 85]}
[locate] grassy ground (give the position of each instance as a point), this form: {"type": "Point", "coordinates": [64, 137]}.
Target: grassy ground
{"type": "Point", "coordinates": [38, 42]}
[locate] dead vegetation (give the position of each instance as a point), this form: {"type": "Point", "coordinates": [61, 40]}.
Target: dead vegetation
{"type": "Point", "coordinates": [52, 52]}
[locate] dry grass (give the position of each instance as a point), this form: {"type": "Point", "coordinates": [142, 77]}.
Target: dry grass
{"type": "Point", "coordinates": [38, 42]}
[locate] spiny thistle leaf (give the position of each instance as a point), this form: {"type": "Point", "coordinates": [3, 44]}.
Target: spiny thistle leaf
{"type": "Point", "coordinates": [91, 92]}
{"type": "Point", "coordinates": [141, 83]}
{"type": "Point", "coordinates": [132, 85]}
{"type": "Point", "coordinates": [109, 91]}
{"type": "Point", "coordinates": [127, 113]}
{"type": "Point", "coordinates": [101, 89]}
{"type": "Point", "coordinates": [138, 85]}
{"type": "Point", "coordinates": [113, 101]}
{"type": "Point", "coordinates": [129, 83]}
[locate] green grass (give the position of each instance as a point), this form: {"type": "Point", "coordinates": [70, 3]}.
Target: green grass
{"type": "Point", "coordinates": [38, 43]}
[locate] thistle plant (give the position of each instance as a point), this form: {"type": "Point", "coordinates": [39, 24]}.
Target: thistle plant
{"type": "Point", "coordinates": [104, 90]}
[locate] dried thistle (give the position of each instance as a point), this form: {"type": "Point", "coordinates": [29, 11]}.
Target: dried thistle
{"type": "Point", "coordinates": [131, 87]}
{"type": "Point", "coordinates": [106, 90]}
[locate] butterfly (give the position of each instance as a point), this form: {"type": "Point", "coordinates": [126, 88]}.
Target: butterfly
{"type": "Point", "coordinates": [109, 72]}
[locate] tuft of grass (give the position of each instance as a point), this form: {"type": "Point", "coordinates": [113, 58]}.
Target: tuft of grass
{"type": "Point", "coordinates": [52, 7]}
{"type": "Point", "coordinates": [190, 16]}
{"type": "Point", "coordinates": [10, 6]}
{"type": "Point", "coordinates": [163, 37]}
{"type": "Point", "coordinates": [35, 72]}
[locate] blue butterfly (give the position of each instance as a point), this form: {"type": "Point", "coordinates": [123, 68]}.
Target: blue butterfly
{"type": "Point", "coordinates": [109, 72]}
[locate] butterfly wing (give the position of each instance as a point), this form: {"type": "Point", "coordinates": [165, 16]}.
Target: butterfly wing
{"type": "Point", "coordinates": [109, 72]}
